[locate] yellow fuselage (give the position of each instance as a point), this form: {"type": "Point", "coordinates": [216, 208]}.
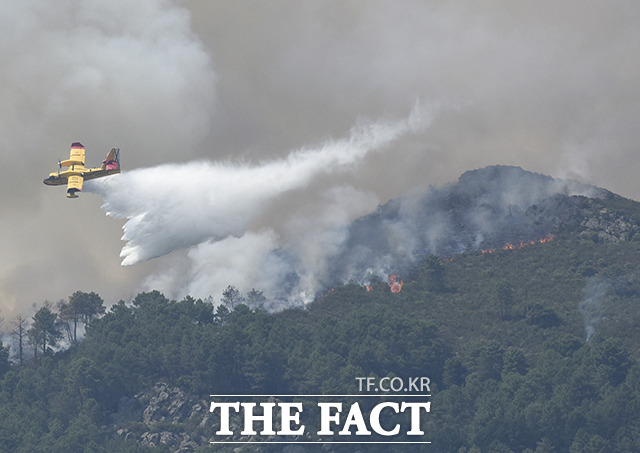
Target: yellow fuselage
{"type": "Point", "coordinates": [75, 173]}
{"type": "Point", "coordinates": [58, 178]}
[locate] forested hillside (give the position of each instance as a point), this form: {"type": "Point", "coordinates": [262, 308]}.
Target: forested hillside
{"type": "Point", "coordinates": [502, 335]}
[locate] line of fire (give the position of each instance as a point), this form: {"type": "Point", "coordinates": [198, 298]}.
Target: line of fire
{"type": "Point", "coordinates": [395, 284]}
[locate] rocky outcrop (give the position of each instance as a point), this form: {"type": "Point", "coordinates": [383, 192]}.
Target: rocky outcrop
{"type": "Point", "coordinates": [611, 226]}
{"type": "Point", "coordinates": [162, 416]}
{"type": "Point", "coordinates": [165, 403]}
{"type": "Point", "coordinates": [589, 218]}
{"type": "Point", "coordinates": [165, 416]}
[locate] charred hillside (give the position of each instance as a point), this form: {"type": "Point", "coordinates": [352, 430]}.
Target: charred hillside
{"type": "Point", "coordinates": [485, 209]}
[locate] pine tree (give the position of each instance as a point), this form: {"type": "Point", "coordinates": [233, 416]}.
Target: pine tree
{"type": "Point", "coordinates": [45, 330]}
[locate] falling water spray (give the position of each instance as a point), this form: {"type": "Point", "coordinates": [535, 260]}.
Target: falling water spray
{"type": "Point", "coordinates": [207, 208]}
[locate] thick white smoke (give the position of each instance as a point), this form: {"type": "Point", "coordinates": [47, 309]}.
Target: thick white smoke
{"type": "Point", "coordinates": [106, 73]}
{"type": "Point", "coordinates": [212, 205]}
{"type": "Point", "coordinates": [169, 80]}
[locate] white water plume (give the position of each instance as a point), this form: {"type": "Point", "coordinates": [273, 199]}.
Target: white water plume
{"type": "Point", "coordinates": [212, 205]}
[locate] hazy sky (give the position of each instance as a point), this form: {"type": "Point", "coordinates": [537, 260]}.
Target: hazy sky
{"type": "Point", "coordinates": [550, 86]}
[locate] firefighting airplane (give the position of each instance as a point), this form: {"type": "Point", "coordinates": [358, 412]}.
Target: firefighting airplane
{"type": "Point", "coordinates": [77, 172]}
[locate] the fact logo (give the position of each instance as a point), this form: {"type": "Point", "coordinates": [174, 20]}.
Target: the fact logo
{"type": "Point", "coordinates": [351, 418]}
{"type": "Point", "coordinates": [395, 384]}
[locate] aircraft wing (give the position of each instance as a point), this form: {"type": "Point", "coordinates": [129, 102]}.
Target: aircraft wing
{"type": "Point", "coordinates": [76, 155]}
{"type": "Point", "coordinates": [74, 184]}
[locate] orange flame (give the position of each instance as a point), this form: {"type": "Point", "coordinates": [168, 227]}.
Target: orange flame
{"type": "Point", "coordinates": [509, 246]}
{"type": "Point", "coordinates": [395, 286]}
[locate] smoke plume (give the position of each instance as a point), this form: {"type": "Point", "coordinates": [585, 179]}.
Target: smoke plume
{"type": "Point", "coordinates": [210, 214]}
{"type": "Point", "coordinates": [591, 305]}
{"type": "Point", "coordinates": [210, 208]}
{"type": "Point", "coordinates": [118, 73]}
{"type": "Point", "coordinates": [542, 85]}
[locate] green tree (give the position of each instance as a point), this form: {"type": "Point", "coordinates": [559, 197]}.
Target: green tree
{"type": "Point", "coordinates": [256, 299]}
{"type": "Point", "coordinates": [45, 330]}
{"type": "Point", "coordinates": [433, 272]}
{"type": "Point", "coordinates": [69, 319]}
{"type": "Point", "coordinates": [453, 372]}
{"type": "Point", "coordinates": [221, 315]}
{"type": "Point", "coordinates": [91, 305]}
{"type": "Point", "coordinates": [486, 358]}
{"type": "Point", "coordinates": [545, 446]}
{"type": "Point", "coordinates": [611, 359]}
{"type": "Point", "coordinates": [231, 297]}
{"type": "Point", "coordinates": [589, 443]}
{"type": "Point", "coordinates": [514, 362]}
{"type": "Point", "coordinates": [81, 308]}
{"type": "Point", "coordinates": [504, 298]}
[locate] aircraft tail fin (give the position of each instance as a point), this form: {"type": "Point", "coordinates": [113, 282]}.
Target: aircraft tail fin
{"type": "Point", "coordinates": [112, 161]}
